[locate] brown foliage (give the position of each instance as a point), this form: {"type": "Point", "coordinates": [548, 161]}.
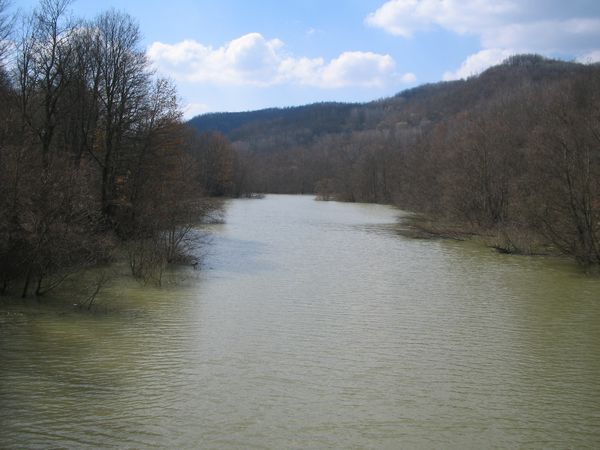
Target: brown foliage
{"type": "Point", "coordinates": [92, 150]}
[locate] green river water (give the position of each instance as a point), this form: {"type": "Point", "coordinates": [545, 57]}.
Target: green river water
{"type": "Point", "coordinates": [313, 325]}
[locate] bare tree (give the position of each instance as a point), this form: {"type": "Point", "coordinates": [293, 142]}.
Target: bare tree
{"type": "Point", "coordinates": [123, 85]}
{"type": "Point", "coordinates": [44, 52]}
{"type": "Point", "coordinates": [568, 165]}
{"type": "Point", "coordinates": [6, 25]}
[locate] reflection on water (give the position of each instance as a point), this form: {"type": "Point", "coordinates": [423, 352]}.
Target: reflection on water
{"type": "Point", "coordinates": [315, 325]}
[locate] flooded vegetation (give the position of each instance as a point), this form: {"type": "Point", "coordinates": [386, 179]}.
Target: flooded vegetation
{"type": "Point", "coordinates": [313, 324]}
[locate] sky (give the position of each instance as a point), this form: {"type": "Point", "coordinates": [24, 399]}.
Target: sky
{"type": "Point", "coordinates": [239, 55]}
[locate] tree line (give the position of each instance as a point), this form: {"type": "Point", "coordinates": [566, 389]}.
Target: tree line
{"type": "Point", "coordinates": [95, 158]}
{"type": "Point", "coordinates": [512, 154]}
{"type": "Point", "coordinates": [522, 167]}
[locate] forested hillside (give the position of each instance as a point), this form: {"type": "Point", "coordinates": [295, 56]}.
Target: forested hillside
{"type": "Point", "coordinates": [513, 153]}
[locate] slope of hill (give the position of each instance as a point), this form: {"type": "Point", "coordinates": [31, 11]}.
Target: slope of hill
{"type": "Point", "coordinates": [320, 118]}
{"type": "Point", "coordinates": [429, 102]}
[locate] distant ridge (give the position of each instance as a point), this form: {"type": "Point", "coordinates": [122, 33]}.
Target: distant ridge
{"type": "Point", "coordinates": [430, 102]}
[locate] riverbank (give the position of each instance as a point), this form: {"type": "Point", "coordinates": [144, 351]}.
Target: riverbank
{"type": "Point", "coordinates": [509, 239]}
{"type": "Point", "coordinates": [104, 290]}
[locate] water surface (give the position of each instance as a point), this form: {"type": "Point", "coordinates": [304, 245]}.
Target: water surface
{"type": "Point", "coordinates": [315, 325]}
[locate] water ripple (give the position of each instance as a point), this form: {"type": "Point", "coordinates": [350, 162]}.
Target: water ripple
{"type": "Point", "coordinates": [314, 325]}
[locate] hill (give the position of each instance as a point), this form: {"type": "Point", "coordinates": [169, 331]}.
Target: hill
{"type": "Point", "coordinates": [426, 103]}
{"type": "Point", "coordinates": [512, 153]}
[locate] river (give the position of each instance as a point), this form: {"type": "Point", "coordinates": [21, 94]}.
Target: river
{"type": "Point", "coordinates": [314, 325]}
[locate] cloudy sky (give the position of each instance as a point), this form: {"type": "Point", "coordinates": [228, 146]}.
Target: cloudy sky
{"type": "Point", "coordinates": [233, 55]}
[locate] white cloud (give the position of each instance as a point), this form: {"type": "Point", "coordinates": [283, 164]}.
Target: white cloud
{"type": "Point", "coordinates": [358, 69]}
{"type": "Point", "coordinates": [545, 36]}
{"type": "Point", "coordinates": [254, 60]}
{"type": "Point", "coordinates": [250, 59]}
{"type": "Point", "coordinates": [477, 63]}
{"type": "Point", "coordinates": [590, 58]}
{"type": "Point", "coordinates": [408, 77]}
{"type": "Point", "coordinates": [193, 109]}
{"type": "Point", "coordinates": [301, 70]}
{"type": "Point", "coordinates": [503, 27]}
{"type": "Point", "coordinates": [405, 17]}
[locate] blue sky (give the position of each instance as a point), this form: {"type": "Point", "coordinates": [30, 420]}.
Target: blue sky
{"type": "Point", "coordinates": [234, 55]}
